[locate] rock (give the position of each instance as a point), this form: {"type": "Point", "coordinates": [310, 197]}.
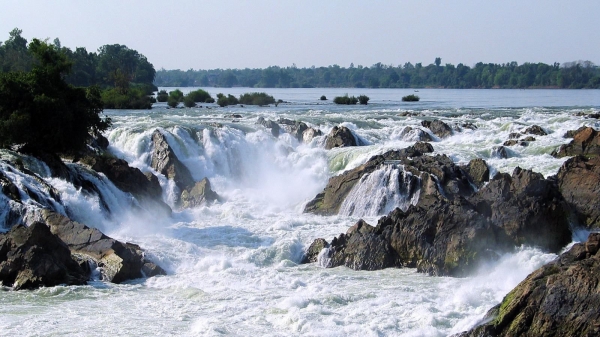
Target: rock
{"type": "Point", "coordinates": [559, 299]}
{"type": "Point", "coordinates": [413, 134]}
{"type": "Point", "coordinates": [579, 183]}
{"type": "Point", "coordinates": [535, 130]}
{"type": "Point", "coordinates": [200, 193]}
{"type": "Point", "coordinates": [467, 125]}
{"type": "Point", "coordinates": [118, 262]}
{"type": "Point", "coordinates": [585, 142]}
{"type": "Point", "coordinates": [32, 257]}
{"type": "Point", "coordinates": [478, 171]}
{"type": "Point", "coordinates": [528, 139]}
{"type": "Point", "coordinates": [309, 134]}
{"type": "Point", "coordinates": [514, 135]}
{"type": "Point", "coordinates": [448, 176]}
{"type": "Point", "coordinates": [294, 128]}
{"type": "Point", "coordinates": [166, 162]}
{"type": "Point", "coordinates": [269, 124]}
{"type": "Point", "coordinates": [499, 152]}
{"type": "Point", "coordinates": [438, 128]}
{"type": "Point", "coordinates": [571, 133]}
{"type": "Point", "coordinates": [451, 233]}
{"type": "Point", "coordinates": [340, 137]}
{"type": "Point", "coordinates": [313, 251]}
{"type": "Point", "coordinates": [510, 142]}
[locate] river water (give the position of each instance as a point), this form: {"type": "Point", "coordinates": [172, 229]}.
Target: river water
{"type": "Point", "coordinates": [233, 268]}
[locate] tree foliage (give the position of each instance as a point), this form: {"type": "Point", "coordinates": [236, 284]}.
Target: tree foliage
{"type": "Point", "coordinates": [41, 111]}
{"type": "Point", "coordinates": [348, 100]}
{"type": "Point", "coordinates": [256, 98]}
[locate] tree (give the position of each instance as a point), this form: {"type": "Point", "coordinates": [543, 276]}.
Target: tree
{"type": "Point", "coordinates": [41, 112]}
{"type": "Point", "coordinates": [438, 61]}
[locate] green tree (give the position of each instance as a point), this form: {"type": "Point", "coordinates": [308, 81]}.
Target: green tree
{"type": "Point", "coordinates": [40, 111]}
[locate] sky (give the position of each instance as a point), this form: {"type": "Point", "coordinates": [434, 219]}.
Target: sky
{"type": "Point", "coordinates": [207, 34]}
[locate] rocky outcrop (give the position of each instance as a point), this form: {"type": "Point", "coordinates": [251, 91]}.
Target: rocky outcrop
{"type": "Point", "coordinates": [31, 257]}
{"type": "Point", "coordinates": [118, 262]}
{"type": "Point", "coordinates": [438, 128]}
{"type": "Point", "coordinates": [340, 137]}
{"type": "Point", "coordinates": [294, 128]}
{"type": "Point", "coordinates": [329, 201]}
{"type": "Point", "coordinates": [500, 152]}
{"type": "Point", "coordinates": [478, 170]}
{"type": "Point", "coordinates": [409, 133]}
{"type": "Point", "coordinates": [535, 130]}
{"type": "Point", "coordinates": [269, 124]}
{"type": "Point", "coordinates": [166, 162]}
{"type": "Point", "coordinates": [579, 184]}
{"type": "Point", "coordinates": [559, 299]}
{"type": "Point", "coordinates": [309, 134]}
{"type": "Point", "coordinates": [451, 231]}
{"type": "Point", "coordinates": [201, 193]}
{"type": "Point", "coordinates": [585, 142]}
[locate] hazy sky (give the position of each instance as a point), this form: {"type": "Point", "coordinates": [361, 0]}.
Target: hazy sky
{"type": "Point", "coordinates": [255, 34]}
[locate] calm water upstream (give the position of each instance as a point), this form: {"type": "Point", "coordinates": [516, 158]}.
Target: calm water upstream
{"type": "Point", "coordinates": [233, 267]}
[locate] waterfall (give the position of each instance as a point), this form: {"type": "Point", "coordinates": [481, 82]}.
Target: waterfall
{"type": "Point", "coordinates": [381, 191]}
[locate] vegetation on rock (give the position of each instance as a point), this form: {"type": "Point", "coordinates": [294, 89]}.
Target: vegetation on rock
{"type": "Point", "coordinates": [345, 100]}
{"type": "Point", "coordinates": [411, 98]}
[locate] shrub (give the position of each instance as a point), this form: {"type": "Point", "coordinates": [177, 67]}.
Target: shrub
{"type": "Point", "coordinates": [256, 98]}
{"type": "Point", "coordinates": [134, 98]}
{"type": "Point", "coordinates": [410, 98]}
{"type": "Point", "coordinates": [176, 95]}
{"type": "Point", "coordinates": [323, 98]}
{"type": "Point", "coordinates": [345, 100]}
{"type": "Point", "coordinates": [172, 102]}
{"type": "Point", "coordinates": [209, 100]}
{"type": "Point", "coordinates": [189, 101]}
{"type": "Point", "coordinates": [363, 99]}
{"type": "Point", "coordinates": [162, 96]}
{"type": "Point", "coordinates": [226, 100]}
{"type": "Point", "coordinates": [199, 96]}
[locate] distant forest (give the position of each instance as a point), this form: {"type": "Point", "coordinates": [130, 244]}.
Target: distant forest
{"type": "Point", "coordinates": [572, 75]}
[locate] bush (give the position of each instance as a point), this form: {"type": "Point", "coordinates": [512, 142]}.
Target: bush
{"type": "Point", "coordinates": [256, 98]}
{"type": "Point", "coordinates": [410, 98]}
{"type": "Point", "coordinates": [199, 96]}
{"type": "Point", "coordinates": [134, 98]}
{"type": "Point", "coordinates": [189, 101]}
{"type": "Point", "coordinates": [162, 96]}
{"type": "Point", "coordinates": [209, 100]}
{"type": "Point", "coordinates": [323, 98]}
{"type": "Point", "coordinates": [224, 101]}
{"type": "Point", "coordinates": [345, 100]}
{"type": "Point", "coordinates": [172, 102]}
{"type": "Point", "coordinates": [363, 99]}
{"type": "Point", "coordinates": [176, 95]}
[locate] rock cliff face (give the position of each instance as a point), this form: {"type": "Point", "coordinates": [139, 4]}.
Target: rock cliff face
{"type": "Point", "coordinates": [166, 162]}
{"type": "Point", "coordinates": [579, 183]}
{"type": "Point", "coordinates": [586, 141]}
{"type": "Point", "coordinates": [559, 299]}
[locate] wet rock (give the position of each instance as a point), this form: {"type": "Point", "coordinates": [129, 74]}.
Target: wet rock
{"type": "Point", "coordinates": [413, 134]}
{"type": "Point", "coordinates": [438, 128]}
{"type": "Point", "coordinates": [294, 128]}
{"type": "Point", "coordinates": [514, 135]}
{"type": "Point", "coordinates": [510, 142]}
{"type": "Point", "coordinates": [585, 142]}
{"type": "Point", "coordinates": [269, 124]}
{"type": "Point", "coordinates": [340, 137]}
{"type": "Point", "coordinates": [579, 183]}
{"type": "Point", "coordinates": [32, 257]}
{"type": "Point", "coordinates": [535, 130]}
{"type": "Point", "coordinates": [309, 134]}
{"type": "Point", "coordinates": [478, 171]}
{"type": "Point", "coordinates": [529, 139]}
{"type": "Point", "coordinates": [500, 152]}
{"type": "Point", "coordinates": [166, 162]}
{"type": "Point", "coordinates": [571, 133]}
{"type": "Point", "coordinates": [313, 251]}
{"type": "Point", "coordinates": [433, 172]}
{"type": "Point", "coordinates": [118, 262]}
{"type": "Point", "coordinates": [466, 125]}
{"type": "Point", "coordinates": [200, 193]}
{"type": "Point", "coordinates": [559, 299]}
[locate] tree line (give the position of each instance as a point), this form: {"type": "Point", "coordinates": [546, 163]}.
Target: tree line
{"type": "Point", "coordinates": [124, 76]}
{"type": "Point", "coordinates": [573, 75]}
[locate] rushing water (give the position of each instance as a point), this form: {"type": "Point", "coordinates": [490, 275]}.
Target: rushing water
{"type": "Point", "coordinates": [233, 267]}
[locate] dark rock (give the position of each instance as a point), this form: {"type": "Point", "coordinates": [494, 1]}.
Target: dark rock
{"type": "Point", "coordinates": [269, 124]}
{"type": "Point", "coordinates": [294, 128]}
{"type": "Point", "coordinates": [313, 251]}
{"type": "Point", "coordinates": [31, 257]}
{"type": "Point", "coordinates": [467, 125]}
{"type": "Point", "coordinates": [166, 162]}
{"type": "Point", "coordinates": [514, 135]}
{"type": "Point", "coordinates": [571, 133]}
{"type": "Point", "coordinates": [528, 139]}
{"type": "Point", "coordinates": [340, 137]}
{"type": "Point", "coordinates": [309, 134]}
{"type": "Point", "coordinates": [409, 133]}
{"type": "Point", "coordinates": [585, 142]}
{"type": "Point", "coordinates": [559, 299]}
{"type": "Point", "coordinates": [233, 116]}
{"type": "Point", "coordinates": [478, 171]}
{"type": "Point", "coordinates": [150, 269]}
{"type": "Point", "coordinates": [499, 152]}
{"type": "Point", "coordinates": [200, 193]}
{"type": "Point", "coordinates": [118, 261]}
{"type": "Point", "coordinates": [511, 142]}
{"type": "Point", "coordinates": [535, 130]}
{"type": "Point", "coordinates": [438, 128]}
{"type": "Point", "coordinates": [9, 189]}
{"type": "Point", "coordinates": [579, 184]}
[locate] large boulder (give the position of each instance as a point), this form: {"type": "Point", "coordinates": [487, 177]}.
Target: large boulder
{"type": "Point", "coordinates": [585, 142]}
{"type": "Point", "coordinates": [32, 257]}
{"type": "Point", "coordinates": [200, 193]}
{"type": "Point", "coordinates": [340, 137]}
{"type": "Point", "coordinates": [579, 184]}
{"type": "Point", "coordinates": [269, 124]}
{"type": "Point", "coordinates": [294, 128]}
{"type": "Point", "coordinates": [118, 262]}
{"type": "Point", "coordinates": [535, 130]}
{"type": "Point", "coordinates": [309, 134]}
{"type": "Point", "coordinates": [438, 128]}
{"type": "Point", "coordinates": [559, 299]}
{"type": "Point", "coordinates": [450, 233]}
{"type": "Point", "coordinates": [166, 162]}
{"type": "Point", "coordinates": [478, 171]}
{"type": "Point", "coordinates": [414, 134]}
{"type": "Point", "coordinates": [329, 201]}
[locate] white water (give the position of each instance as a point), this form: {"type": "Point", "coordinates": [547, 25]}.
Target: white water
{"type": "Point", "coordinates": [233, 267]}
